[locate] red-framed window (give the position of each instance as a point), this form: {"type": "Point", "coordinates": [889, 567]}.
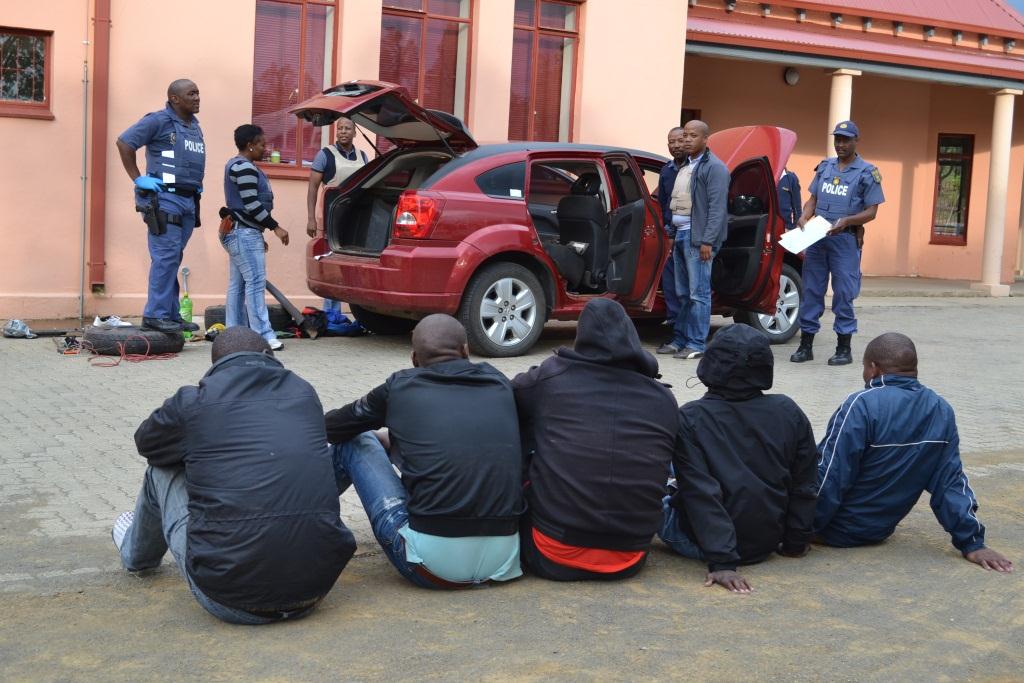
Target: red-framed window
{"type": "Point", "coordinates": [424, 46]}
{"type": "Point", "coordinates": [294, 60]}
{"type": "Point", "coordinates": [953, 163]}
{"type": "Point", "coordinates": [25, 73]}
{"type": "Point", "coordinates": [544, 48]}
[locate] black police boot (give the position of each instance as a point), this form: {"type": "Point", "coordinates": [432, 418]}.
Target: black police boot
{"type": "Point", "coordinates": [804, 353]}
{"type": "Point", "coordinates": [844, 356]}
{"type": "Point", "coordinates": [188, 326]}
{"type": "Point", "coordinates": [161, 325]}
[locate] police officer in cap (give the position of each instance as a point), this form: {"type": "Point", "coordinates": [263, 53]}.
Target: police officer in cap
{"type": "Point", "coordinates": [846, 191]}
{"type": "Point", "coordinates": [167, 195]}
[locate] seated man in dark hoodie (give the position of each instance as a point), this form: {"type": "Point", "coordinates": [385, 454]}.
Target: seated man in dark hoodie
{"type": "Point", "coordinates": [745, 465]}
{"type": "Point", "coordinates": [450, 520]}
{"type": "Point", "coordinates": [885, 446]}
{"type": "Point", "coordinates": [598, 429]}
{"type": "Point", "coordinates": [239, 488]}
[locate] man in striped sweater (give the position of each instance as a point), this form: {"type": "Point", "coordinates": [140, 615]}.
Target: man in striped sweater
{"type": "Point", "coordinates": [884, 447]}
{"type": "Point", "coordinates": [250, 200]}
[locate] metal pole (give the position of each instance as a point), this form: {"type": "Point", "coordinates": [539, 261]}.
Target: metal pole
{"type": "Point", "coordinates": [85, 167]}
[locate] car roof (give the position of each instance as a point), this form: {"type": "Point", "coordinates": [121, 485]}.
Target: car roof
{"type": "Point", "coordinates": [491, 150]}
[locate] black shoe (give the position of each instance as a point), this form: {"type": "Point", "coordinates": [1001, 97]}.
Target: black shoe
{"type": "Point", "coordinates": [161, 325]}
{"type": "Point", "coordinates": [805, 352]}
{"type": "Point", "coordinates": [187, 326]}
{"type": "Point", "coordinates": [843, 355]}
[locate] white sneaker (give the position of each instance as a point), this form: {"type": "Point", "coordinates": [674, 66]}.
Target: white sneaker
{"type": "Point", "coordinates": [275, 344]}
{"type": "Point", "coordinates": [110, 322]}
{"type": "Point", "coordinates": [123, 522]}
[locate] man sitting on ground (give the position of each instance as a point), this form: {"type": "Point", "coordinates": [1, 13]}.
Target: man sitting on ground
{"type": "Point", "coordinates": [239, 488]}
{"type": "Point", "coordinates": [450, 521]}
{"type": "Point", "coordinates": [598, 429]}
{"type": "Point", "coordinates": [885, 446]}
{"type": "Point", "coordinates": [744, 464]}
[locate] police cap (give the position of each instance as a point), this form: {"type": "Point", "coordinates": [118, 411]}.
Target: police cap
{"type": "Point", "coordinates": [847, 129]}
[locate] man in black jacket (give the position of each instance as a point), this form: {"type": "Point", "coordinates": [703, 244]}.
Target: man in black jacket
{"type": "Point", "coordinates": [450, 521]}
{"type": "Point", "coordinates": [599, 430]}
{"type": "Point", "coordinates": [745, 463]}
{"type": "Point", "coordinates": [240, 488]}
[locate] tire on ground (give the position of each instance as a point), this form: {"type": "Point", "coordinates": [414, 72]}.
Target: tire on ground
{"type": "Point", "coordinates": [134, 340]}
{"type": "Point", "coordinates": [790, 283]}
{"type": "Point", "coordinates": [472, 316]}
{"type": "Point", "coordinates": [382, 324]}
{"type": "Point", "coordinates": [279, 318]}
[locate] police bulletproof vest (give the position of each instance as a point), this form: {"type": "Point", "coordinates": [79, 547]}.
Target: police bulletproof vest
{"type": "Point", "coordinates": [179, 158]}
{"type": "Point", "coordinates": [339, 167]}
{"type": "Point", "coordinates": [233, 198]}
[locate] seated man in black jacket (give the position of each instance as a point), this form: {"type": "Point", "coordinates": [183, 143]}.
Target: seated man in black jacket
{"type": "Point", "coordinates": [745, 463]}
{"type": "Point", "coordinates": [239, 487]}
{"type": "Point", "coordinates": [450, 521]}
{"type": "Point", "coordinates": [598, 429]}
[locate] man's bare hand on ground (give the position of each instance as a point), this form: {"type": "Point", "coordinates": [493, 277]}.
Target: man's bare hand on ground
{"type": "Point", "coordinates": [990, 559]}
{"type": "Point", "coordinates": [729, 580]}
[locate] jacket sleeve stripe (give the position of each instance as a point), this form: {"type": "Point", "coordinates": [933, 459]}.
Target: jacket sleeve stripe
{"type": "Point", "coordinates": [835, 438]}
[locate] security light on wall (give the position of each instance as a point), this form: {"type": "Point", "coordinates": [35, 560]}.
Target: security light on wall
{"type": "Point", "coordinates": [791, 75]}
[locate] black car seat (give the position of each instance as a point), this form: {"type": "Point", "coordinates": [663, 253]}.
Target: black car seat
{"type": "Point", "coordinates": [582, 219]}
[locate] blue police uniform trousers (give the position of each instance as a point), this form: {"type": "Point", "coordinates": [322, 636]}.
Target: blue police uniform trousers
{"type": "Point", "coordinates": [165, 253]}
{"type": "Point", "coordinates": [838, 256]}
{"type": "Point", "coordinates": [668, 288]}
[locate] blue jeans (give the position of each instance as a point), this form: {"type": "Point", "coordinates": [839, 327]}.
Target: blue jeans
{"type": "Point", "coordinates": [693, 287]}
{"type": "Point", "coordinates": [165, 254]}
{"type": "Point", "coordinates": [364, 463]}
{"type": "Point", "coordinates": [838, 256]}
{"type": "Point", "coordinates": [161, 523]}
{"type": "Point", "coordinates": [672, 534]}
{"type": "Point", "coordinates": [247, 281]}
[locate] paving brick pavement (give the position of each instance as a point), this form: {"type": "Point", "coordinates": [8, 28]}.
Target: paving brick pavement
{"type": "Point", "coordinates": [68, 464]}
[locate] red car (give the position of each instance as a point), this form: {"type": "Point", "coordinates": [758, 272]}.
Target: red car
{"type": "Point", "coordinates": [508, 236]}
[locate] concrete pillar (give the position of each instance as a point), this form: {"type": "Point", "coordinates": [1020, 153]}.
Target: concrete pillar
{"type": "Point", "coordinates": [995, 205]}
{"type": "Point", "coordinates": [840, 102]}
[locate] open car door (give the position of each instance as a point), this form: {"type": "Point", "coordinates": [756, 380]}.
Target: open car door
{"type": "Point", "coordinates": [746, 270]}
{"type": "Point", "coordinates": [636, 242]}
{"type": "Point", "coordinates": [387, 110]}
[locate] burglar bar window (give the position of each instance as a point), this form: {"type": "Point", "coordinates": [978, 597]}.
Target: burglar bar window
{"type": "Point", "coordinates": [952, 189]}
{"type": "Point", "coordinates": [424, 45]}
{"type": "Point", "coordinates": [545, 37]}
{"type": "Point", "coordinates": [25, 73]}
{"type": "Point", "coordinates": [294, 61]}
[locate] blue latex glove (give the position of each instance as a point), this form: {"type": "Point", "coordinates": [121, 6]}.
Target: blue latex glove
{"type": "Point", "coordinates": [149, 183]}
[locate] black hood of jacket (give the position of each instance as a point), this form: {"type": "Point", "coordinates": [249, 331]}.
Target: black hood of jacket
{"type": "Point", "coordinates": [738, 364]}
{"type": "Point", "coordinates": [606, 335]}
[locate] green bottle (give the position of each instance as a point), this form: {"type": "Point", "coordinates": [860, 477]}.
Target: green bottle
{"type": "Point", "coordinates": [185, 308]}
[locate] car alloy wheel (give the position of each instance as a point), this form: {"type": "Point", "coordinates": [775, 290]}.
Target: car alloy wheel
{"type": "Point", "coordinates": [503, 310]}
{"type": "Point", "coordinates": [780, 326]}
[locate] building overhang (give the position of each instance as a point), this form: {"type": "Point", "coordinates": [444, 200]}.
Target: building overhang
{"type": "Point", "coordinates": [812, 46]}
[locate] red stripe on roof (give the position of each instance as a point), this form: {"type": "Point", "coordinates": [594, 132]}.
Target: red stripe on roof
{"type": "Point", "coordinates": [826, 42]}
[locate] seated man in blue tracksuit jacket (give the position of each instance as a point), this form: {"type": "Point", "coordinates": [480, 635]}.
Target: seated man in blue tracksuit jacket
{"type": "Point", "coordinates": [885, 446]}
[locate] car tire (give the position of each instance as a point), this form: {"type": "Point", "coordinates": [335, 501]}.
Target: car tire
{"type": "Point", "coordinates": [133, 340]}
{"type": "Point", "coordinates": [382, 324]}
{"type": "Point", "coordinates": [784, 323]}
{"type": "Point", "coordinates": [503, 310]}
{"type": "Point", "coordinates": [279, 318]}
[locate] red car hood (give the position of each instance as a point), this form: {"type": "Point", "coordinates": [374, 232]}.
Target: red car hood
{"type": "Point", "coordinates": [736, 145]}
{"type": "Point", "coordinates": [387, 110]}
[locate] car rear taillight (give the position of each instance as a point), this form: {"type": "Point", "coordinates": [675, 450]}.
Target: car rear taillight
{"type": "Point", "coordinates": [416, 214]}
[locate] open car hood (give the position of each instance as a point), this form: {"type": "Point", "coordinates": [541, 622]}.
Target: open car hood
{"type": "Point", "coordinates": [387, 110]}
{"type": "Point", "coordinates": [735, 145]}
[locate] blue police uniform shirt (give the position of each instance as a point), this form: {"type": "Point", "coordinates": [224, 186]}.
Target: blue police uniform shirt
{"type": "Point", "coordinates": [175, 153]}
{"type": "Point", "coordinates": [841, 193]}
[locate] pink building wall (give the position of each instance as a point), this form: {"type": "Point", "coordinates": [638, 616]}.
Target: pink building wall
{"type": "Point", "coordinates": [899, 121]}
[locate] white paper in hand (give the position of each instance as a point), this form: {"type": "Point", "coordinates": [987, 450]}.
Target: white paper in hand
{"type": "Point", "coordinates": [796, 240]}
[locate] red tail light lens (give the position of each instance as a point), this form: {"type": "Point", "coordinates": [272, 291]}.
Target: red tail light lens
{"type": "Point", "coordinates": [416, 214]}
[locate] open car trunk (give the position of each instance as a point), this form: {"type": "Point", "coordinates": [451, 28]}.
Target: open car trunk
{"type": "Point", "coordinates": [360, 219]}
